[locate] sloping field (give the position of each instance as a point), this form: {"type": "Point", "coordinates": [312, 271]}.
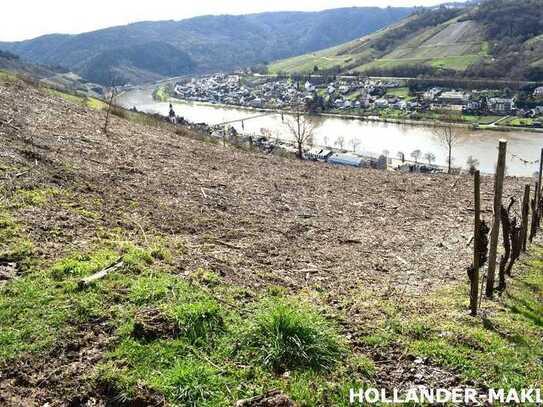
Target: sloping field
{"type": "Point", "coordinates": [453, 45]}
{"type": "Point", "coordinates": [456, 39]}
{"type": "Point", "coordinates": [205, 245]}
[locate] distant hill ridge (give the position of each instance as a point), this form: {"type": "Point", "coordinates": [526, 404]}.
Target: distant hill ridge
{"type": "Point", "coordinates": [148, 50]}
{"type": "Point", "coordinates": [490, 39]}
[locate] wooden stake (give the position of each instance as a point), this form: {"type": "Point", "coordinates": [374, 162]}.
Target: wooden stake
{"type": "Point", "coordinates": [535, 215]}
{"type": "Point", "coordinates": [474, 292]}
{"type": "Point", "coordinates": [525, 214]}
{"type": "Point", "coordinates": [538, 192]}
{"type": "Point", "coordinates": [498, 192]}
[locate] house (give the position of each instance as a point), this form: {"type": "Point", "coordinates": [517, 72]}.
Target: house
{"type": "Point", "coordinates": [538, 91]}
{"type": "Point", "coordinates": [344, 89]}
{"type": "Point", "coordinates": [345, 159]}
{"type": "Point", "coordinates": [381, 103]}
{"type": "Point", "coordinates": [501, 105]}
{"type": "Point", "coordinates": [309, 87]}
{"type": "Point", "coordinates": [400, 104]}
{"type": "Point", "coordinates": [454, 97]}
{"type": "Point", "coordinates": [473, 105]}
{"type": "Point", "coordinates": [431, 94]}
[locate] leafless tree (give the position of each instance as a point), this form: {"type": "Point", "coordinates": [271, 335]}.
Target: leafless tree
{"type": "Point", "coordinates": [415, 155]}
{"type": "Point", "coordinates": [386, 153]}
{"type": "Point", "coordinates": [302, 130]}
{"type": "Point", "coordinates": [325, 140]}
{"type": "Point", "coordinates": [340, 141]}
{"type": "Point", "coordinates": [355, 143]}
{"type": "Point", "coordinates": [430, 157]}
{"type": "Point", "coordinates": [449, 136]}
{"type": "Point", "coordinates": [110, 103]}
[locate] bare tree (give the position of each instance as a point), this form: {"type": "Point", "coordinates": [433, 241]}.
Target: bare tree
{"type": "Point", "coordinates": [449, 137]}
{"type": "Point", "coordinates": [415, 155]}
{"type": "Point", "coordinates": [430, 157]}
{"type": "Point", "coordinates": [302, 130]}
{"type": "Point", "coordinates": [386, 153]}
{"type": "Point", "coordinates": [110, 103]}
{"type": "Point", "coordinates": [340, 141]}
{"type": "Point", "coordinates": [355, 143]}
{"type": "Point", "coordinates": [325, 140]}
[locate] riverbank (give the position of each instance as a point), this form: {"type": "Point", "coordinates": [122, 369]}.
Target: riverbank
{"type": "Point", "coordinates": [408, 122]}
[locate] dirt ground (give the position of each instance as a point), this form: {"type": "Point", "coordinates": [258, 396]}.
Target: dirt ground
{"type": "Point", "coordinates": [255, 219]}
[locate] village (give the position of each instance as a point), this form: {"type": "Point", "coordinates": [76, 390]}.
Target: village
{"type": "Point", "coordinates": [382, 98]}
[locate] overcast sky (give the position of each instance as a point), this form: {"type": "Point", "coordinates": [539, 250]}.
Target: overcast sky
{"type": "Point", "coordinates": [23, 19]}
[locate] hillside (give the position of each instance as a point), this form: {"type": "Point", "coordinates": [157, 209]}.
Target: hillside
{"type": "Point", "coordinates": [201, 44]}
{"type": "Point", "coordinates": [498, 38]}
{"type": "Point", "coordinates": [233, 273]}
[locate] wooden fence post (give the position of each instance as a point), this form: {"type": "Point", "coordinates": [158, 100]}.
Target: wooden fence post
{"type": "Point", "coordinates": [525, 214]}
{"type": "Point", "coordinates": [535, 215]}
{"type": "Point", "coordinates": [538, 192]}
{"type": "Point", "coordinates": [474, 292]}
{"type": "Point", "coordinates": [498, 192]}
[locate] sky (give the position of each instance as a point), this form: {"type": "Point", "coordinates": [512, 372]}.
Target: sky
{"type": "Point", "coordinates": [24, 19]}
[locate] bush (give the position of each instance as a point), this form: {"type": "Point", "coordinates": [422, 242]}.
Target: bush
{"type": "Point", "coordinates": [290, 336]}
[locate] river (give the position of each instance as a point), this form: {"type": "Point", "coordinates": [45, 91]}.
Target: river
{"type": "Point", "coordinates": [364, 137]}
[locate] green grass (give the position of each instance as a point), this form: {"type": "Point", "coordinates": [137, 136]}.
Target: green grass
{"type": "Point", "coordinates": [89, 102]}
{"type": "Point", "coordinates": [485, 120]}
{"type": "Point", "coordinates": [305, 63]}
{"type": "Point", "coordinates": [34, 197]}
{"type": "Point", "coordinates": [458, 63]}
{"type": "Point", "coordinates": [198, 321]}
{"type": "Point", "coordinates": [518, 122]}
{"type": "Point", "coordinates": [161, 94]}
{"type": "Point", "coordinates": [217, 356]}
{"type": "Point", "coordinates": [200, 347]}
{"type": "Point", "coordinates": [288, 336]}
{"type": "Point", "coordinates": [197, 340]}
{"type": "Point", "coordinates": [46, 305]}
{"type": "Point", "coordinates": [402, 92]}
{"type": "Point", "coordinates": [504, 348]}
{"type": "Point", "coordinates": [14, 244]}
{"type": "Point", "coordinates": [7, 76]}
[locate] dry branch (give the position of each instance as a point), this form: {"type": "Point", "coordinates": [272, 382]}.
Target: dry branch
{"type": "Point", "coordinates": [87, 281]}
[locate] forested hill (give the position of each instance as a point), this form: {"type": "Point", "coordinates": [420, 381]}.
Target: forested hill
{"type": "Point", "coordinates": [147, 50]}
{"type": "Point", "coordinates": [491, 39]}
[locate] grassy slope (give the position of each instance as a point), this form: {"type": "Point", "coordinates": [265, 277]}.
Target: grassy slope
{"type": "Point", "coordinates": [196, 339]}
{"type": "Point", "coordinates": [222, 347]}
{"type": "Point", "coordinates": [454, 45]}
{"type": "Point", "coordinates": [500, 350]}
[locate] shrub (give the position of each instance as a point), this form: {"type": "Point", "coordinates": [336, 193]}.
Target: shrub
{"type": "Point", "coordinates": [288, 336]}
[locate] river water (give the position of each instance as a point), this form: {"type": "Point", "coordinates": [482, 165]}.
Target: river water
{"type": "Point", "coordinates": [364, 137]}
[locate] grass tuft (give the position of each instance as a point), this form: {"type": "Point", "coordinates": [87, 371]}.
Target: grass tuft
{"type": "Point", "coordinates": [289, 336]}
{"type": "Point", "coordinates": [198, 321]}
